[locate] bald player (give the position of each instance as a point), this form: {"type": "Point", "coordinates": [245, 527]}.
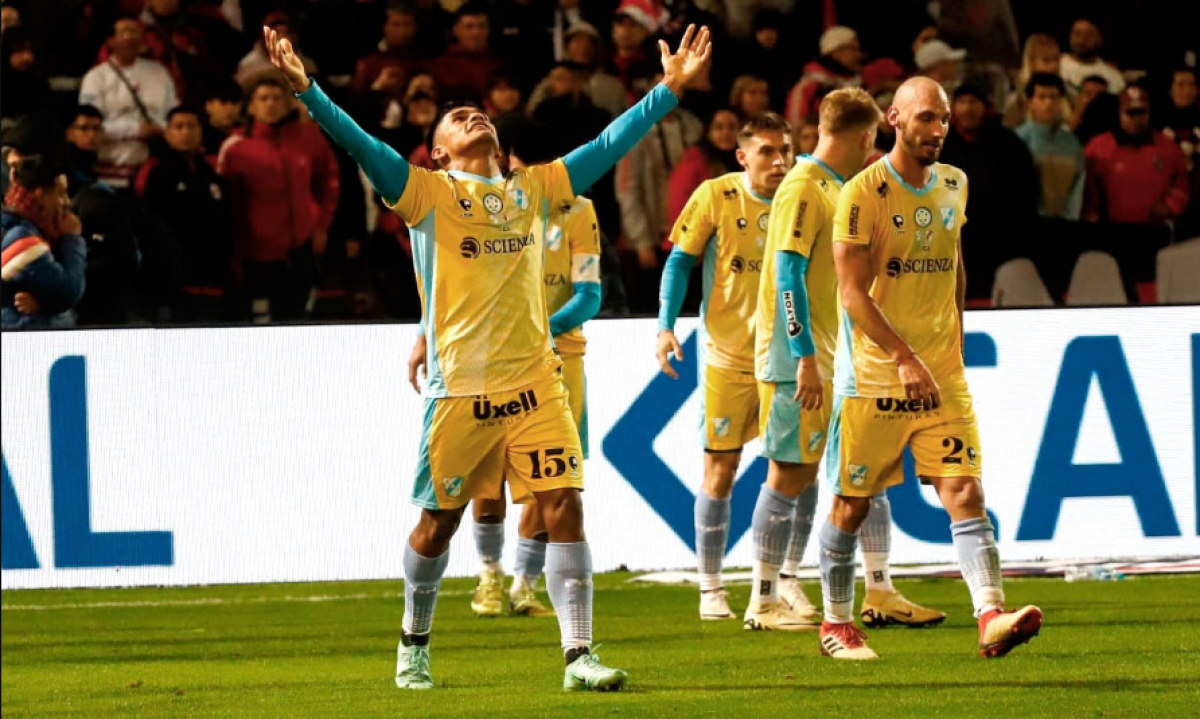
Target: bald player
{"type": "Point", "coordinates": [899, 379]}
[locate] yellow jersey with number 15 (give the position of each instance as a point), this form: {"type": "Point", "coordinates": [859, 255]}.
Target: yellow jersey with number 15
{"type": "Point", "coordinates": [479, 267]}
{"type": "Point", "coordinates": [572, 235]}
{"type": "Point", "coordinates": [913, 236]}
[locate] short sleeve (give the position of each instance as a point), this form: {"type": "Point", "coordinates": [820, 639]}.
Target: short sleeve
{"type": "Point", "coordinates": [797, 216]}
{"type": "Point", "coordinates": [420, 195]}
{"type": "Point", "coordinates": [554, 182]}
{"type": "Point", "coordinates": [695, 225]}
{"type": "Point", "coordinates": [854, 220]}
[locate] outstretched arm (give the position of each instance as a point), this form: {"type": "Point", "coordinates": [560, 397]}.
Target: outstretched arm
{"type": "Point", "coordinates": [588, 163]}
{"type": "Point", "coordinates": [385, 168]}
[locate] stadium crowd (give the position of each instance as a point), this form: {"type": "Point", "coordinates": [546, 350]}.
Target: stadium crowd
{"type": "Point", "coordinates": [200, 192]}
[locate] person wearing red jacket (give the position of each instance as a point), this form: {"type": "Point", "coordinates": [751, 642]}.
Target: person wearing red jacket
{"type": "Point", "coordinates": [1135, 174]}
{"type": "Point", "coordinates": [283, 188]}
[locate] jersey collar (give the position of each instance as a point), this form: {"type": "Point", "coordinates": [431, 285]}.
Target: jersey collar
{"type": "Point", "coordinates": [836, 177]}
{"type": "Point", "coordinates": [459, 175]}
{"type": "Point", "coordinates": [916, 191]}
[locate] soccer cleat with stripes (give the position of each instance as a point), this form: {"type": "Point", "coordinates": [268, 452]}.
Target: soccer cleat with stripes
{"type": "Point", "coordinates": [586, 673]}
{"type": "Point", "coordinates": [412, 667]}
{"type": "Point", "coordinates": [886, 609]}
{"type": "Point", "coordinates": [845, 641]}
{"type": "Point", "coordinates": [1000, 632]}
{"type": "Point", "coordinates": [777, 617]}
{"type": "Point", "coordinates": [793, 595]}
{"type": "Point", "coordinates": [714, 605]}
{"type": "Point", "coordinates": [489, 594]}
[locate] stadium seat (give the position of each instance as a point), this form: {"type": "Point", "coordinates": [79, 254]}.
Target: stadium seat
{"type": "Point", "coordinates": [1096, 281]}
{"type": "Point", "coordinates": [1018, 284]}
{"type": "Point", "coordinates": [1179, 272]}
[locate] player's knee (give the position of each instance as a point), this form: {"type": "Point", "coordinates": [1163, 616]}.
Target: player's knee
{"type": "Point", "coordinates": [561, 511]}
{"type": "Point", "coordinates": [720, 468]}
{"type": "Point", "coordinates": [848, 513]}
{"type": "Point", "coordinates": [962, 494]}
{"type": "Point", "coordinates": [434, 531]}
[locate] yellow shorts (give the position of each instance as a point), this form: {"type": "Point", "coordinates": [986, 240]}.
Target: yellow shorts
{"type": "Point", "coordinates": [576, 383]}
{"type": "Point", "coordinates": [868, 436]}
{"type": "Point", "coordinates": [729, 409]}
{"type": "Point", "coordinates": [471, 446]}
{"type": "Point", "coordinates": [790, 434]}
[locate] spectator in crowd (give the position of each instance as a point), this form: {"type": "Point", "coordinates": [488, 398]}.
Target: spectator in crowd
{"type": "Point", "coordinates": [135, 94]}
{"type": "Point", "coordinates": [380, 78]}
{"type": "Point", "coordinates": [25, 89]}
{"type": "Point", "coordinates": [1041, 55]}
{"type": "Point", "coordinates": [749, 96]}
{"type": "Point", "coordinates": [222, 114]}
{"type": "Point", "coordinates": [1084, 59]}
{"type": "Point", "coordinates": [10, 16]}
{"type": "Point", "coordinates": [1003, 191]}
{"type": "Point", "coordinates": [84, 134]}
{"type": "Point", "coordinates": [927, 34]}
{"type": "Point", "coordinates": [1134, 173]}
{"type": "Point", "coordinates": [882, 74]}
{"type": "Point", "coordinates": [643, 181]}
{"type": "Point", "coordinates": [503, 99]}
{"type": "Point", "coordinates": [463, 70]}
{"type": "Point", "coordinates": [582, 47]}
{"type": "Point", "coordinates": [257, 63]}
{"type": "Point", "coordinates": [1057, 152]}
{"type": "Point", "coordinates": [184, 191]}
{"type": "Point", "coordinates": [634, 23]}
{"type": "Point", "coordinates": [1095, 109]}
{"type": "Point", "coordinates": [713, 156]}
{"type": "Point", "coordinates": [1181, 123]}
{"type": "Point", "coordinates": [941, 63]}
{"type": "Point", "coordinates": [283, 188]}
{"type": "Point", "coordinates": [885, 136]}
{"type": "Point", "coordinates": [839, 65]}
{"type": "Point", "coordinates": [44, 254]}
{"type": "Point", "coordinates": [804, 137]}
{"type": "Point", "coordinates": [763, 56]}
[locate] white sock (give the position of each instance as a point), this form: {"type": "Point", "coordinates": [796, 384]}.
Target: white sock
{"type": "Point", "coordinates": [879, 577]}
{"type": "Point", "coordinates": [766, 577]}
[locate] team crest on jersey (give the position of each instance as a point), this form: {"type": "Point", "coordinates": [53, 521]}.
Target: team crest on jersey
{"type": "Point", "coordinates": [858, 474]}
{"type": "Point", "coordinates": [465, 204]}
{"type": "Point", "coordinates": [925, 239]}
{"type": "Point", "coordinates": [554, 238]}
{"type": "Point", "coordinates": [882, 189]}
{"type": "Point", "coordinates": [721, 426]}
{"type": "Point", "coordinates": [972, 456]}
{"type": "Point", "coordinates": [452, 485]}
{"type": "Point", "coordinates": [898, 221]}
{"type": "Point", "coordinates": [492, 203]}
{"type": "Point", "coordinates": [947, 217]}
{"type": "Point", "coordinates": [741, 223]}
{"type": "Point", "coordinates": [814, 440]}
{"type": "Point", "coordinates": [573, 461]}
{"type": "Point", "coordinates": [763, 220]}
{"type": "Point", "coordinates": [923, 217]}
{"type": "Point", "coordinates": [520, 199]}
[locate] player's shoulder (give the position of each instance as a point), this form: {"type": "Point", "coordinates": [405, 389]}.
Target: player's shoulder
{"type": "Point", "coordinates": [874, 180]}
{"type": "Point", "coordinates": [949, 178]}
{"type": "Point", "coordinates": [728, 186]}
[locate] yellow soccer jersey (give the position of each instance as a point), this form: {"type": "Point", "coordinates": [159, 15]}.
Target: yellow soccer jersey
{"type": "Point", "coordinates": [479, 267]}
{"type": "Point", "coordinates": [913, 235]}
{"type": "Point", "coordinates": [801, 222]}
{"type": "Point", "coordinates": [572, 255]}
{"type": "Point", "coordinates": [726, 222]}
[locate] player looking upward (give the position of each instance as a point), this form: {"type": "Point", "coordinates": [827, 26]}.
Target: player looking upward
{"type": "Point", "coordinates": [794, 362]}
{"type": "Point", "coordinates": [725, 223]}
{"type": "Point", "coordinates": [899, 379]}
{"type": "Point", "coordinates": [496, 410]}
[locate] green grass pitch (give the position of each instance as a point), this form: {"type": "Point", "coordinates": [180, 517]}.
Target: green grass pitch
{"type": "Point", "coordinates": [1119, 649]}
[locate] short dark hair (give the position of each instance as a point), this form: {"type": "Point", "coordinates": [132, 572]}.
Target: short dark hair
{"type": "Point", "coordinates": [225, 90]}
{"type": "Point", "coordinates": [1184, 68]}
{"type": "Point", "coordinates": [267, 79]}
{"type": "Point", "coordinates": [37, 172]}
{"type": "Point", "coordinates": [534, 142]}
{"type": "Point", "coordinates": [1095, 78]}
{"type": "Point", "coordinates": [84, 111]}
{"type": "Point", "coordinates": [446, 109]}
{"type": "Point", "coordinates": [184, 110]}
{"type": "Point", "coordinates": [472, 7]}
{"type": "Point", "coordinates": [764, 122]}
{"type": "Point", "coordinates": [1044, 79]}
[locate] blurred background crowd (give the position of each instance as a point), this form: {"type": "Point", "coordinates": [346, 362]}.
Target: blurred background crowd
{"type": "Point", "coordinates": [204, 195]}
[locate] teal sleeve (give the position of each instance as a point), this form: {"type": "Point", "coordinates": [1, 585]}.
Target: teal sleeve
{"type": "Point", "coordinates": [791, 268]}
{"type": "Point", "coordinates": [588, 163]}
{"type": "Point", "coordinates": [385, 168]}
{"type": "Point", "coordinates": [674, 287]}
{"type": "Point", "coordinates": [579, 309]}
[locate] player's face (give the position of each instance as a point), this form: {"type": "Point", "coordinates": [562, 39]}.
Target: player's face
{"type": "Point", "coordinates": [183, 133]}
{"type": "Point", "coordinates": [767, 156]}
{"type": "Point", "coordinates": [464, 129]}
{"type": "Point", "coordinates": [1044, 105]}
{"type": "Point", "coordinates": [921, 128]}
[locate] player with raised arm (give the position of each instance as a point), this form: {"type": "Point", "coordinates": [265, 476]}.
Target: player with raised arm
{"type": "Point", "coordinates": [794, 347]}
{"type": "Point", "coordinates": [496, 410]}
{"type": "Point", "coordinates": [899, 377]}
{"type": "Point", "coordinates": [571, 237]}
{"type": "Point", "coordinates": [725, 223]}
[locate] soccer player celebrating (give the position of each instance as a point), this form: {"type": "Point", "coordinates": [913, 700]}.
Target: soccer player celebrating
{"type": "Point", "coordinates": [794, 364]}
{"type": "Point", "coordinates": [496, 409]}
{"type": "Point", "coordinates": [725, 221]}
{"type": "Point", "coordinates": [899, 378]}
{"type": "Point", "coordinates": [571, 240]}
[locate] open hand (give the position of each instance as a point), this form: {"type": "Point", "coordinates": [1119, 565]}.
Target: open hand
{"type": "Point", "coordinates": [284, 57]}
{"type": "Point", "coordinates": [695, 49]}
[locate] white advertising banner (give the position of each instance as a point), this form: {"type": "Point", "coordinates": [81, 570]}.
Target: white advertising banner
{"type": "Point", "coordinates": [170, 457]}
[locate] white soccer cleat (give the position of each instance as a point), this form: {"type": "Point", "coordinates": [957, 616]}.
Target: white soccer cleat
{"type": "Point", "coordinates": [777, 617]}
{"type": "Point", "coordinates": [845, 641]}
{"type": "Point", "coordinates": [793, 595]}
{"type": "Point", "coordinates": [714, 605]}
